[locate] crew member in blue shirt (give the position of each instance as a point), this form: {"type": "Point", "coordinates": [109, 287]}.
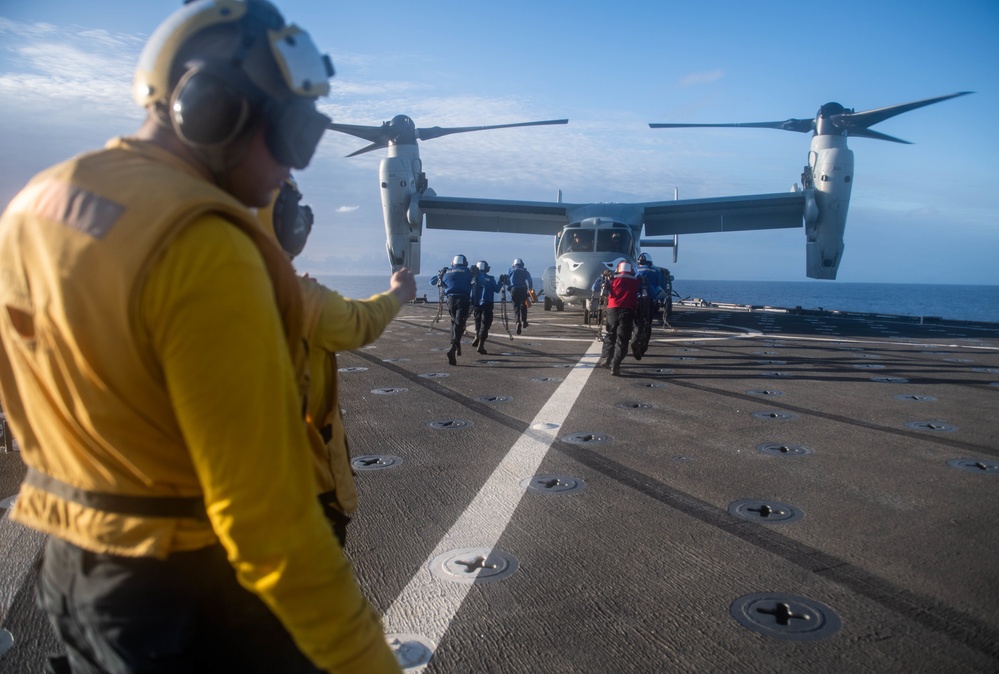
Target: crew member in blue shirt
{"type": "Point", "coordinates": [520, 283]}
{"type": "Point", "coordinates": [484, 289]}
{"type": "Point", "coordinates": [647, 303]}
{"type": "Point", "coordinates": [457, 285]}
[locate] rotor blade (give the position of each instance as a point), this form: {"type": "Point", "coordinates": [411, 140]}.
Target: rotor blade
{"type": "Point", "coordinates": [868, 133]}
{"type": "Point", "coordinates": [868, 118]}
{"type": "Point", "coordinates": [374, 134]}
{"type": "Point", "coordinates": [368, 148]}
{"type": "Point", "coordinates": [799, 125]}
{"type": "Point", "coordinates": [437, 132]}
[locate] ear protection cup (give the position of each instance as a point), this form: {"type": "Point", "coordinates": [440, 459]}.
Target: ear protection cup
{"type": "Point", "coordinates": [210, 105]}
{"type": "Point", "coordinates": [292, 223]}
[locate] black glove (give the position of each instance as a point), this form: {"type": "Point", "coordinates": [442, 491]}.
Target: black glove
{"type": "Point", "coordinates": [504, 279]}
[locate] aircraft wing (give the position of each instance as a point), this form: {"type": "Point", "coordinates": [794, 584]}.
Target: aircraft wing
{"type": "Point", "coordinates": [725, 214]}
{"type": "Point", "coordinates": [495, 215]}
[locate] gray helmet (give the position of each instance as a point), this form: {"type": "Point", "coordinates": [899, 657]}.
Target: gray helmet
{"type": "Point", "coordinates": [459, 261]}
{"type": "Point", "coordinates": [518, 263]}
{"type": "Point", "coordinates": [483, 266]}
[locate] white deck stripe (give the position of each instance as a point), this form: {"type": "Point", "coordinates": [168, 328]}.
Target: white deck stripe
{"type": "Point", "coordinates": [428, 604]}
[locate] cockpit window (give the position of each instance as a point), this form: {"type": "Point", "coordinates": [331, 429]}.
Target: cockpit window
{"type": "Point", "coordinates": [614, 241]}
{"type": "Point", "coordinates": [577, 241]}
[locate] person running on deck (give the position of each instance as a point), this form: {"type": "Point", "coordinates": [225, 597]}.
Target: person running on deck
{"type": "Point", "coordinates": [647, 304]}
{"type": "Point", "coordinates": [622, 299]}
{"type": "Point", "coordinates": [484, 289]}
{"type": "Point", "coordinates": [456, 284]}
{"type": "Point", "coordinates": [521, 284]}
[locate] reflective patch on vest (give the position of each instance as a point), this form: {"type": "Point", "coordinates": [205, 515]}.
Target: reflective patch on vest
{"type": "Point", "coordinates": [74, 207]}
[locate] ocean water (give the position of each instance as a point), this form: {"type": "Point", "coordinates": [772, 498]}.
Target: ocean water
{"type": "Point", "coordinates": [956, 302]}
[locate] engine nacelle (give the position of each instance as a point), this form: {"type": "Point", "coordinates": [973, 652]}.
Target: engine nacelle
{"type": "Point", "coordinates": [831, 166]}
{"type": "Point", "coordinates": [397, 175]}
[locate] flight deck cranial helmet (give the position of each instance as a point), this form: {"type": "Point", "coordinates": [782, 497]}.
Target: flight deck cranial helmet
{"type": "Point", "coordinates": [624, 267]}
{"type": "Point", "coordinates": [483, 266]}
{"type": "Point", "coordinates": [644, 260]}
{"type": "Point", "coordinates": [215, 70]}
{"type": "Point", "coordinates": [518, 263]}
{"type": "Point", "coordinates": [459, 261]}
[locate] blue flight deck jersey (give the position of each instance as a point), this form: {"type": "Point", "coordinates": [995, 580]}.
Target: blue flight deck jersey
{"type": "Point", "coordinates": [484, 290]}
{"type": "Point", "coordinates": [456, 281]}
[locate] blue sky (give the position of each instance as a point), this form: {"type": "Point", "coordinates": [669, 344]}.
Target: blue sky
{"type": "Point", "coordinates": [921, 213]}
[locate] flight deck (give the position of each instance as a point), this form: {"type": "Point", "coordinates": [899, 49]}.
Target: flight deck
{"type": "Point", "coordinates": [766, 490]}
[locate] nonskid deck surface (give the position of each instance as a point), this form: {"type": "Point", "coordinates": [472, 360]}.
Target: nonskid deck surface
{"type": "Point", "coordinates": [763, 491]}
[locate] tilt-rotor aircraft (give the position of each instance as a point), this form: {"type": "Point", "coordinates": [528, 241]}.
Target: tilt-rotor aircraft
{"type": "Point", "coordinates": [592, 237]}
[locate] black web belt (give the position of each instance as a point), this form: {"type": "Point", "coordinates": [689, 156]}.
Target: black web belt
{"type": "Point", "coordinates": [121, 504]}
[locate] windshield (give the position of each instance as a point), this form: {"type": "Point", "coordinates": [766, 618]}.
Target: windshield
{"type": "Point", "coordinates": [577, 241]}
{"type": "Point", "coordinates": [617, 240]}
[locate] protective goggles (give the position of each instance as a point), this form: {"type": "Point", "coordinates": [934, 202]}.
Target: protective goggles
{"type": "Point", "coordinates": [296, 127]}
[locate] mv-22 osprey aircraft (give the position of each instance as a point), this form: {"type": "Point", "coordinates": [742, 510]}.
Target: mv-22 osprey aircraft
{"type": "Point", "coordinates": [590, 238]}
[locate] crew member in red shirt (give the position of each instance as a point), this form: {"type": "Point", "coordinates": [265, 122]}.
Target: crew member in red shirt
{"type": "Point", "coordinates": [622, 301]}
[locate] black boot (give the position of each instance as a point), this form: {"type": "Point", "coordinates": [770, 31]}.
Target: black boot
{"type": "Point", "coordinates": [482, 346]}
{"type": "Point", "coordinates": [450, 357]}
{"type": "Point", "coordinates": [475, 342]}
{"type": "Point", "coordinates": [458, 348]}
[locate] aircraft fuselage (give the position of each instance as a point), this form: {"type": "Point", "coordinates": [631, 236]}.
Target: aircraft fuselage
{"type": "Point", "coordinates": [583, 251]}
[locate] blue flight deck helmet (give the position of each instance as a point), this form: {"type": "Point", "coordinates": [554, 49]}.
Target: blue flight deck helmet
{"type": "Point", "coordinates": [459, 261]}
{"type": "Point", "coordinates": [518, 263]}
{"type": "Point", "coordinates": [483, 266]}
{"type": "Point", "coordinates": [644, 260]}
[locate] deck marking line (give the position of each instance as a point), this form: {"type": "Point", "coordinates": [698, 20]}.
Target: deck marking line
{"type": "Point", "coordinates": [428, 604]}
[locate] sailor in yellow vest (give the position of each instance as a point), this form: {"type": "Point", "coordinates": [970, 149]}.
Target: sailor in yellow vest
{"type": "Point", "coordinates": [332, 323]}
{"type": "Point", "coordinates": [152, 370]}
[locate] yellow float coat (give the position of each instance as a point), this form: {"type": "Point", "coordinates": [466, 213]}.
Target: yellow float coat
{"type": "Point", "coordinates": [150, 332]}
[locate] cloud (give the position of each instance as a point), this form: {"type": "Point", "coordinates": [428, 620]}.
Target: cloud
{"type": "Point", "coordinates": [45, 67]}
{"type": "Point", "coordinates": [704, 77]}
{"type": "Point", "coordinates": [347, 209]}
{"type": "Point", "coordinates": [924, 212]}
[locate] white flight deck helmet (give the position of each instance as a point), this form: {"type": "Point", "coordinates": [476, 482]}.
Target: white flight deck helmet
{"type": "Point", "coordinates": [518, 263]}
{"type": "Point", "coordinates": [625, 267]}
{"type": "Point", "coordinates": [483, 266]}
{"type": "Point", "coordinates": [215, 69]}
{"type": "Point", "coordinates": [459, 261]}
